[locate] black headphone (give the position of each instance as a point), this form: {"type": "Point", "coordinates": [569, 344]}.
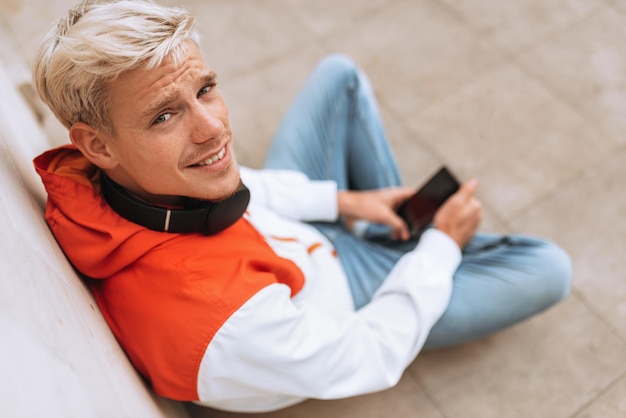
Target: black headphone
{"type": "Point", "coordinates": [196, 216]}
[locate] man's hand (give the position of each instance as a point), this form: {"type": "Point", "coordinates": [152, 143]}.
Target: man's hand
{"type": "Point", "coordinates": [461, 214]}
{"type": "Point", "coordinates": [376, 206]}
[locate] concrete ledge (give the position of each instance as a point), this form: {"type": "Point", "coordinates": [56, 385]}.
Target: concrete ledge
{"type": "Point", "coordinates": [58, 357]}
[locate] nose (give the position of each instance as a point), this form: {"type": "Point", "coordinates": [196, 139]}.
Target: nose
{"type": "Point", "coordinates": [207, 123]}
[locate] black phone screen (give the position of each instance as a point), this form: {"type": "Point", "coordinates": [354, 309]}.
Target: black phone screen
{"type": "Point", "coordinates": [418, 210]}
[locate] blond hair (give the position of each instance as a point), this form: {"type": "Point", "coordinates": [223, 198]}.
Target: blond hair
{"type": "Point", "coordinates": [98, 41]}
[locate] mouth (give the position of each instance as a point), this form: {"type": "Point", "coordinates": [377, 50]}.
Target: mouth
{"type": "Point", "coordinates": [212, 159]}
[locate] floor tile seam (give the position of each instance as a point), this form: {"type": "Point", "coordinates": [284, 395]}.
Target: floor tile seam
{"type": "Point", "coordinates": [255, 66]}
{"type": "Point", "coordinates": [569, 180]}
{"type": "Point", "coordinates": [414, 376]}
{"type": "Point", "coordinates": [509, 220]}
{"type": "Point", "coordinates": [561, 96]}
{"type": "Point", "coordinates": [478, 33]}
{"type": "Point", "coordinates": [382, 102]}
{"type": "Point", "coordinates": [501, 58]}
{"type": "Point", "coordinates": [375, 10]}
{"type": "Point", "coordinates": [324, 38]}
{"type": "Point", "coordinates": [609, 140]}
{"type": "Point", "coordinates": [557, 31]}
{"type": "Point", "coordinates": [426, 145]}
{"type": "Point", "coordinates": [508, 227]}
{"type": "Point", "coordinates": [486, 38]}
{"type": "Point", "coordinates": [457, 15]}
{"type": "Point", "coordinates": [492, 209]}
{"type": "Point", "coordinates": [621, 9]}
{"type": "Point", "coordinates": [579, 111]}
{"type": "Point", "coordinates": [438, 157]}
{"type": "Point", "coordinates": [599, 395]}
{"type": "Point", "coordinates": [591, 308]}
{"type": "Point", "coordinates": [338, 29]}
{"type": "Point", "coordinates": [451, 12]}
{"type": "Point", "coordinates": [297, 13]}
{"type": "Point", "coordinates": [514, 57]}
{"type": "Point", "coordinates": [504, 57]}
{"type": "Point", "coordinates": [475, 78]}
{"type": "Point", "coordinates": [364, 17]}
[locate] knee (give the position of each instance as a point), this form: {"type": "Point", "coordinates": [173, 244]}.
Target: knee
{"type": "Point", "coordinates": [554, 268]}
{"type": "Point", "coordinates": [339, 67]}
{"type": "Point", "coordinates": [339, 62]}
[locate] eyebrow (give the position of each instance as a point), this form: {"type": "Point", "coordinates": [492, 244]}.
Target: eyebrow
{"type": "Point", "coordinates": [164, 102]}
{"type": "Point", "coordinates": [210, 77]}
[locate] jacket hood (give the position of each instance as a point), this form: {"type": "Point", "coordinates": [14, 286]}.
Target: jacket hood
{"type": "Point", "coordinates": [97, 240]}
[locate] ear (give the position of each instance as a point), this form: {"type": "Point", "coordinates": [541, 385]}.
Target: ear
{"type": "Point", "coordinates": [93, 145]}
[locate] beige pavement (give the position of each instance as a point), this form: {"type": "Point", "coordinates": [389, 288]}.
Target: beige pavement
{"type": "Point", "coordinates": [528, 95]}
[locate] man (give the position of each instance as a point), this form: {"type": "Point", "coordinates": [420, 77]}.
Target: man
{"type": "Point", "coordinates": [257, 306]}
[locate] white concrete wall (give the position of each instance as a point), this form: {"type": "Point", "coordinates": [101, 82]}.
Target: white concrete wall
{"type": "Point", "coordinates": [58, 358]}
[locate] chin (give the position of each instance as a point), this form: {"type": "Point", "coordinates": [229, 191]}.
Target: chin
{"type": "Point", "coordinates": [226, 191]}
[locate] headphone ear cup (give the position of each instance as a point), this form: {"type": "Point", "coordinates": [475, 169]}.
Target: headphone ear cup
{"type": "Point", "coordinates": [223, 214]}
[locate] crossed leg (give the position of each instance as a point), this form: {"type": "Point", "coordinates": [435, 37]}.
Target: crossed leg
{"type": "Point", "coordinates": [333, 130]}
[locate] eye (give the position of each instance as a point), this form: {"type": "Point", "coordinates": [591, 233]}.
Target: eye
{"type": "Point", "coordinates": [162, 118]}
{"type": "Point", "coordinates": [204, 90]}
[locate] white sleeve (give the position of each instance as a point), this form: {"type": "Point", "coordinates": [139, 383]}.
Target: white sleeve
{"type": "Point", "coordinates": [272, 352]}
{"type": "Point", "coordinates": [292, 194]}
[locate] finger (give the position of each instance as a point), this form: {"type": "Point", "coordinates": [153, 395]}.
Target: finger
{"type": "Point", "coordinates": [400, 229]}
{"type": "Point", "coordinates": [405, 191]}
{"type": "Point", "coordinates": [479, 209]}
{"type": "Point", "coordinates": [468, 189]}
{"type": "Point", "coordinates": [401, 194]}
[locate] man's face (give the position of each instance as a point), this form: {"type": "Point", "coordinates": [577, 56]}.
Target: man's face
{"type": "Point", "coordinates": [172, 133]}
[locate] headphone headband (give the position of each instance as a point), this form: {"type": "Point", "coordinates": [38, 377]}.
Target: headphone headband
{"type": "Point", "coordinates": [198, 215]}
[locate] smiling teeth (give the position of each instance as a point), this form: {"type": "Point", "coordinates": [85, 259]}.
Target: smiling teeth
{"type": "Point", "coordinates": [214, 158]}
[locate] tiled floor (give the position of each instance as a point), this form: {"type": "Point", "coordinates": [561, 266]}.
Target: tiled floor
{"type": "Point", "coordinates": [529, 95]}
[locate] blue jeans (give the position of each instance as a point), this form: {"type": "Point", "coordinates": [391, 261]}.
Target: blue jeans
{"type": "Point", "coordinates": [333, 131]}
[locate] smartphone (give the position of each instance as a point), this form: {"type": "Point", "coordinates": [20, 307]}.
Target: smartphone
{"type": "Point", "coordinates": [418, 210]}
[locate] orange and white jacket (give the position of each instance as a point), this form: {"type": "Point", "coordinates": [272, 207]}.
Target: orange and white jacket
{"type": "Point", "coordinates": [257, 317]}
